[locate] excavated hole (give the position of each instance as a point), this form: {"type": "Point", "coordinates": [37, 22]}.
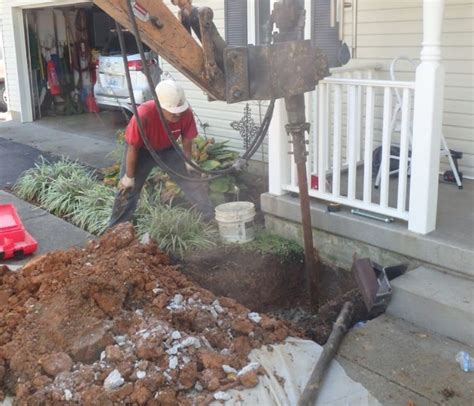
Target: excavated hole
{"type": "Point", "coordinates": [264, 283]}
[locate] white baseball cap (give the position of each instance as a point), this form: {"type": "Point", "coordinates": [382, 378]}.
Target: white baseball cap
{"type": "Point", "coordinates": [171, 96]}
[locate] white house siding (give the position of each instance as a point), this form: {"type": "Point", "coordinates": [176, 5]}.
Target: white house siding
{"type": "Point", "coordinates": [387, 29]}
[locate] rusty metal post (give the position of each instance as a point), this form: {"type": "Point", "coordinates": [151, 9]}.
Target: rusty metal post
{"type": "Point", "coordinates": [289, 16]}
{"type": "Point", "coordinates": [298, 127]}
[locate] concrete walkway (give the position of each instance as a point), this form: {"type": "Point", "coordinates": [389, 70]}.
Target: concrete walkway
{"type": "Point", "coordinates": [49, 231]}
{"type": "Point", "coordinates": [398, 362]}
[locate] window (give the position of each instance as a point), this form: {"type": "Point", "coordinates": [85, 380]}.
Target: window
{"type": "Point", "coordinates": [323, 35]}
{"type": "Point", "coordinates": [262, 15]}
{"type": "Point", "coordinates": [113, 45]}
{"type": "Point", "coordinates": [246, 21]}
{"type": "Point", "coordinates": [236, 22]}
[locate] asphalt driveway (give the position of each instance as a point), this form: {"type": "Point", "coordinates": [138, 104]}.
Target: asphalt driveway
{"type": "Point", "coordinates": [16, 158]}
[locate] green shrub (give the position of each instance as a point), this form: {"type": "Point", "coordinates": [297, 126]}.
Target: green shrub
{"type": "Point", "coordinates": [35, 182]}
{"type": "Point", "coordinates": [174, 229]}
{"type": "Point", "coordinates": [267, 243]}
{"type": "Point", "coordinates": [62, 195]}
{"type": "Point", "coordinates": [94, 208]}
{"type": "Point", "coordinates": [69, 190]}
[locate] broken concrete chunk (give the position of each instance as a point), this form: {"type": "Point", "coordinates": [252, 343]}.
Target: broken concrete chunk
{"type": "Point", "coordinates": [217, 307]}
{"type": "Point", "coordinates": [174, 349]}
{"type": "Point", "coordinates": [228, 369]}
{"type": "Point", "coordinates": [198, 387]}
{"type": "Point", "coordinates": [253, 366]}
{"type": "Point", "coordinates": [175, 335]}
{"type": "Point", "coordinates": [222, 396]}
{"type": "Point", "coordinates": [67, 395]}
{"type": "Point", "coordinates": [191, 342]}
{"type": "Point", "coordinates": [120, 340]}
{"type": "Point", "coordinates": [114, 380]}
{"type": "Point", "coordinates": [141, 374]}
{"type": "Point", "coordinates": [173, 362]}
{"type": "Point", "coordinates": [177, 301]}
{"type": "Point", "coordinates": [255, 317]}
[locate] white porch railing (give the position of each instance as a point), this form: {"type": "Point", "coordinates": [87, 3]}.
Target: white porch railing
{"type": "Point", "coordinates": [353, 117]}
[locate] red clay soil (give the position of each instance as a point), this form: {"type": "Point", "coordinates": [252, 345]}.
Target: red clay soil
{"type": "Point", "coordinates": [115, 322]}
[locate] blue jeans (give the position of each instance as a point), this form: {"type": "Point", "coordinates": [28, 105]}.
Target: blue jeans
{"type": "Point", "coordinates": [126, 202]}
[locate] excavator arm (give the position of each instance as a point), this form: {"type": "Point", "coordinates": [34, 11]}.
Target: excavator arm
{"type": "Point", "coordinates": [232, 74]}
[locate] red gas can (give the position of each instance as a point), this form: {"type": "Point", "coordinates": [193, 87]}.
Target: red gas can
{"type": "Point", "coordinates": [14, 239]}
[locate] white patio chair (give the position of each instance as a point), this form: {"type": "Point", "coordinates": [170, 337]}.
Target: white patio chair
{"type": "Point", "coordinates": [395, 127]}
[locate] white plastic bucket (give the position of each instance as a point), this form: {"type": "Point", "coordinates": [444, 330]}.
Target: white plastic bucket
{"type": "Point", "coordinates": [236, 221]}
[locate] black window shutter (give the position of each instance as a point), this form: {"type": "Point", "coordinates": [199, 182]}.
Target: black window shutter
{"type": "Point", "coordinates": [236, 22]}
{"type": "Point", "coordinates": [323, 35]}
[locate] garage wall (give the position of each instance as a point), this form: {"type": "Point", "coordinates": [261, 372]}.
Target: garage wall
{"type": "Point", "coordinates": [15, 52]}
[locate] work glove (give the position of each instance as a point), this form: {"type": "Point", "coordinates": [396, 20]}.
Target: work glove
{"type": "Point", "coordinates": [190, 169]}
{"type": "Point", "coordinates": [126, 183]}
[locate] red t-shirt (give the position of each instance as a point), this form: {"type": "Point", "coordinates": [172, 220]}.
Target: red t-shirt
{"type": "Point", "coordinates": [155, 131]}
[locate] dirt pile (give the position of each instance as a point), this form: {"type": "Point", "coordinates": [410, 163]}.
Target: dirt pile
{"type": "Point", "coordinates": [116, 323]}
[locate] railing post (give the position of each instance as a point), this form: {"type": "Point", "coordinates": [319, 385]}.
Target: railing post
{"type": "Point", "coordinates": [427, 123]}
{"type": "Point", "coordinates": [278, 148]}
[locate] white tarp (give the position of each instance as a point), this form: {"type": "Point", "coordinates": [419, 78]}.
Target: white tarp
{"type": "Point", "coordinates": [288, 367]}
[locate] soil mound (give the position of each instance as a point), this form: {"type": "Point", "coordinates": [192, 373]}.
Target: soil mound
{"type": "Point", "coordinates": [115, 322]}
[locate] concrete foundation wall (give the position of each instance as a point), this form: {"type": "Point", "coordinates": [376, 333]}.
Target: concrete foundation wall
{"type": "Point", "coordinates": [337, 250]}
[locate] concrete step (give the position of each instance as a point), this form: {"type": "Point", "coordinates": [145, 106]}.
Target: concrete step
{"type": "Point", "coordinates": [437, 301]}
{"type": "Point", "coordinates": [398, 362]}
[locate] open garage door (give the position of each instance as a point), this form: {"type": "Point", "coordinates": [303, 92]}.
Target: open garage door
{"type": "Point", "coordinates": [75, 63]}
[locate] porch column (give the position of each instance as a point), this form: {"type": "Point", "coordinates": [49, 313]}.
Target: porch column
{"type": "Point", "coordinates": [278, 148]}
{"type": "Point", "coordinates": [427, 123]}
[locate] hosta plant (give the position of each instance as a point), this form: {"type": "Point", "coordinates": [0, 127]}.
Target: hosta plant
{"type": "Point", "coordinates": [207, 153]}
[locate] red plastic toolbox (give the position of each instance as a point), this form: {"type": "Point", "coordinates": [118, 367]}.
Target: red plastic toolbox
{"type": "Point", "coordinates": [14, 239]}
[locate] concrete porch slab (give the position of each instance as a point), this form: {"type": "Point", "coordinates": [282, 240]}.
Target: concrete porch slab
{"type": "Point", "coordinates": [449, 247]}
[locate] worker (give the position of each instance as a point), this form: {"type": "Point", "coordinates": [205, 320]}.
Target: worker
{"type": "Point", "coordinates": [137, 161]}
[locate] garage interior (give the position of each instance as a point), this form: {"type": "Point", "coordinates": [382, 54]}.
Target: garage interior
{"type": "Point", "coordinates": [63, 45]}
